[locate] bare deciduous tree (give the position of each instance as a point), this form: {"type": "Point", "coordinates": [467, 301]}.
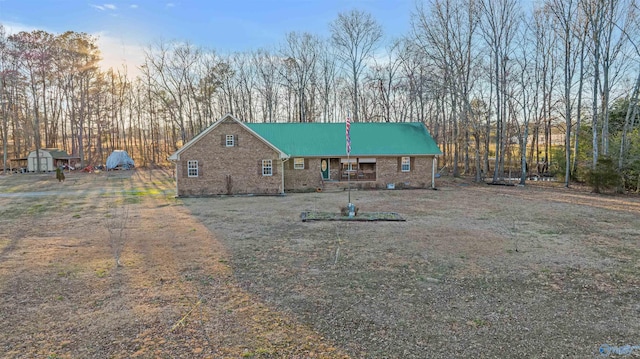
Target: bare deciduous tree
{"type": "Point", "coordinates": [446, 34]}
{"type": "Point", "coordinates": [564, 13]}
{"type": "Point", "coordinates": [300, 52]}
{"type": "Point", "coordinates": [499, 25]}
{"type": "Point", "coordinates": [355, 35]}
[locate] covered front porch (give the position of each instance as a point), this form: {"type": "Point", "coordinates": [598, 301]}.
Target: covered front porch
{"type": "Point", "coordinates": [349, 169]}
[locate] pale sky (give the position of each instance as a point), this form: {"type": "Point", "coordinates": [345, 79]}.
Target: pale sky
{"type": "Point", "coordinates": [125, 27]}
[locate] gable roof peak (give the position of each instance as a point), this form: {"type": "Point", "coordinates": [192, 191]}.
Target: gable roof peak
{"type": "Point", "coordinates": [228, 116]}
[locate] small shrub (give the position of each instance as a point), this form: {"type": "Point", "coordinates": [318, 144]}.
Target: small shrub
{"type": "Point", "coordinates": [101, 273]}
{"type": "Point", "coordinates": [344, 211]}
{"type": "Point", "coordinates": [604, 176]}
{"type": "Point", "coordinates": [631, 176]}
{"type": "Point", "coordinates": [59, 174]}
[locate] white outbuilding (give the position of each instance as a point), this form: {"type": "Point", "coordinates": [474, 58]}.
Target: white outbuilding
{"type": "Point", "coordinates": [50, 158]}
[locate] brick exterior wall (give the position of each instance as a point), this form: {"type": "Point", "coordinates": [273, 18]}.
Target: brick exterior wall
{"type": "Point", "coordinates": [228, 170]}
{"type": "Point", "coordinates": [388, 171]}
{"type": "Point", "coordinates": [307, 179]}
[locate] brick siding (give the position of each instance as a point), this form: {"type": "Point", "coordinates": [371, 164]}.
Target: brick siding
{"type": "Point", "coordinates": [228, 170]}
{"type": "Point", "coordinates": [307, 179]}
{"type": "Point", "coordinates": [388, 171]}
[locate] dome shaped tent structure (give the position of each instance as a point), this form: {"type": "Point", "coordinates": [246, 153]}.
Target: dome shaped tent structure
{"type": "Point", "coordinates": [119, 159]}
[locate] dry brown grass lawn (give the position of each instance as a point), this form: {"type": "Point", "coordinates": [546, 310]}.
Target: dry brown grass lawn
{"type": "Point", "coordinates": [475, 271]}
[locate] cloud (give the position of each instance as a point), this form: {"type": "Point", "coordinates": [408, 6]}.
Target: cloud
{"type": "Point", "coordinates": [133, 6]}
{"type": "Point", "coordinates": [104, 7]}
{"type": "Point", "coordinates": [170, 4]}
{"type": "Point", "coordinates": [14, 28]}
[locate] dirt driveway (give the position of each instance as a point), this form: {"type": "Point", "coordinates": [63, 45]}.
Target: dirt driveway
{"type": "Point", "coordinates": [475, 271]}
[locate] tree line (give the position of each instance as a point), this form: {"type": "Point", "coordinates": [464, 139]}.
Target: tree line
{"type": "Point", "coordinates": [500, 87]}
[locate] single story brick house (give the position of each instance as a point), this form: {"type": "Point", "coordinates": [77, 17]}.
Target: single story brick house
{"type": "Point", "coordinates": [233, 157]}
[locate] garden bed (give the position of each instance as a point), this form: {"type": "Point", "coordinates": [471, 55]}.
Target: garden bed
{"type": "Point", "coordinates": [362, 217]}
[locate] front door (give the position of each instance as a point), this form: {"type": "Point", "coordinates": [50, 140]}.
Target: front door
{"type": "Point", "coordinates": [324, 167]}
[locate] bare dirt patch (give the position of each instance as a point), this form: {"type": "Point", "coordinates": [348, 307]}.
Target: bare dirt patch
{"type": "Point", "coordinates": [475, 271]}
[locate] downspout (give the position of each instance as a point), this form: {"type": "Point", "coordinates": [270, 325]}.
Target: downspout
{"type": "Point", "coordinates": [434, 164]}
{"type": "Point", "coordinates": [283, 160]}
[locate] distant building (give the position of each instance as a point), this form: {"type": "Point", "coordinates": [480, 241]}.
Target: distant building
{"type": "Point", "coordinates": [50, 158]}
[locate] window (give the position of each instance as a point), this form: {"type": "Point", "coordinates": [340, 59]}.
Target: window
{"type": "Point", "coordinates": [349, 164]}
{"type": "Point", "coordinates": [298, 163]}
{"type": "Point", "coordinates": [192, 168]}
{"type": "Point", "coordinates": [230, 141]}
{"type": "Point", "coordinates": [267, 168]}
{"type": "Point", "coordinates": [406, 164]}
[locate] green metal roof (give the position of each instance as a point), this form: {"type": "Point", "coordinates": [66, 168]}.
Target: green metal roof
{"type": "Point", "coordinates": [367, 138]}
